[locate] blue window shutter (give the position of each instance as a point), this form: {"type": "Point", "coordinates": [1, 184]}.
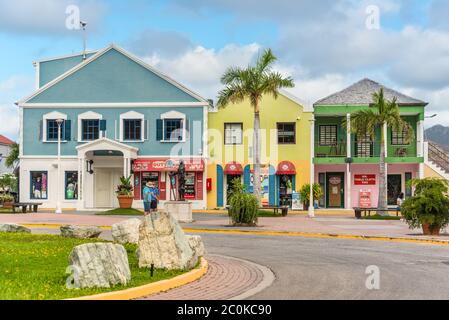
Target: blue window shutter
{"type": "Point", "coordinates": [41, 128]}
{"type": "Point", "coordinates": [145, 130]}
{"type": "Point", "coordinates": [220, 177]}
{"type": "Point", "coordinates": [247, 178]}
{"type": "Point", "coordinates": [272, 181]}
{"type": "Point", "coordinates": [68, 130]}
{"type": "Point", "coordinates": [102, 125]}
{"type": "Point", "coordinates": [159, 126]}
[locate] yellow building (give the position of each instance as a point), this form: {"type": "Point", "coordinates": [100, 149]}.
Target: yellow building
{"type": "Point", "coordinates": [285, 149]}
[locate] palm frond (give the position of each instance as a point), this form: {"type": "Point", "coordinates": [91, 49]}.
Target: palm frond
{"type": "Point", "coordinates": [265, 61]}
{"type": "Point", "coordinates": [273, 81]}
{"type": "Point", "coordinates": [232, 93]}
{"type": "Point", "coordinates": [232, 75]}
{"type": "Point", "coordinates": [364, 122]}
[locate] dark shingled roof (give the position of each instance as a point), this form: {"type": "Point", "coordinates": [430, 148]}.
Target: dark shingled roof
{"type": "Point", "coordinates": [361, 93]}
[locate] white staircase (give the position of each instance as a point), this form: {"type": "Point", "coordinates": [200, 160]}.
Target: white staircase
{"type": "Point", "coordinates": [437, 159]}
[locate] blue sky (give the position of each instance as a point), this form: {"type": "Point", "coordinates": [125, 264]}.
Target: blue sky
{"type": "Point", "coordinates": [325, 45]}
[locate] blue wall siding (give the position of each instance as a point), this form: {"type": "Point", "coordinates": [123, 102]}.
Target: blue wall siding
{"type": "Point", "coordinates": [50, 70]}
{"type": "Point", "coordinates": [33, 117]}
{"type": "Point", "coordinates": [220, 186]}
{"type": "Point", "coordinates": [113, 77]}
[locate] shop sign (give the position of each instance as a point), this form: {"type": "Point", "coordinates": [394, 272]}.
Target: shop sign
{"type": "Point", "coordinates": [141, 165]}
{"type": "Point", "coordinates": [296, 201]}
{"type": "Point", "coordinates": [365, 199]}
{"type": "Point", "coordinates": [335, 180]}
{"type": "Point", "coordinates": [365, 179]}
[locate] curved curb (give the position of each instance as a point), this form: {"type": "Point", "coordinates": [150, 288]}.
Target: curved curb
{"type": "Point", "coordinates": [152, 288]}
{"type": "Point", "coordinates": [268, 278]}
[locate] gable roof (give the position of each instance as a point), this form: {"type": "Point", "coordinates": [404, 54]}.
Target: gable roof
{"type": "Point", "coordinates": [5, 141]}
{"type": "Point", "coordinates": [361, 93]}
{"type": "Point", "coordinates": [99, 54]}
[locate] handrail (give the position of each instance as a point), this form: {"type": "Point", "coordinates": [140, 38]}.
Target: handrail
{"type": "Point", "coordinates": [439, 156]}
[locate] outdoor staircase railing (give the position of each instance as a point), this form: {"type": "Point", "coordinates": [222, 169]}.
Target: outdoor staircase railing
{"type": "Point", "coordinates": [439, 156]}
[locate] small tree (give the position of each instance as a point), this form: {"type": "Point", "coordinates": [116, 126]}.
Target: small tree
{"type": "Point", "coordinates": [243, 206]}
{"type": "Point", "coordinates": [13, 158]}
{"type": "Point", "coordinates": [305, 193]}
{"type": "Point", "coordinates": [429, 207]}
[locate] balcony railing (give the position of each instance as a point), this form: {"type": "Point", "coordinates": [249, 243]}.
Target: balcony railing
{"type": "Point", "coordinates": [402, 151]}
{"type": "Point", "coordinates": [366, 149]}
{"type": "Point", "coordinates": [363, 149]}
{"type": "Point", "coordinates": [331, 150]}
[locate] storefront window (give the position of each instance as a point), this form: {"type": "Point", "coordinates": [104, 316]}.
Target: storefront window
{"type": "Point", "coordinates": [39, 183]}
{"type": "Point", "coordinates": [71, 185]}
{"type": "Point", "coordinates": [148, 177]}
{"type": "Point", "coordinates": [190, 185]}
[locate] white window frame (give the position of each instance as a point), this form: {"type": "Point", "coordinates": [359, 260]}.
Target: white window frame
{"type": "Point", "coordinates": [89, 115]}
{"type": "Point", "coordinates": [55, 115]}
{"type": "Point", "coordinates": [171, 115]}
{"type": "Point", "coordinates": [128, 116]}
{"type": "Point", "coordinates": [231, 131]}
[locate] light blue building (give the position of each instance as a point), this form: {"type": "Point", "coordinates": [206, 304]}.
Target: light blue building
{"type": "Point", "coordinates": [121, 117]}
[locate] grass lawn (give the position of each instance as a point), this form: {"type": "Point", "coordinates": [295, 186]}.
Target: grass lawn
{"type": "Point", "coordinates": [121, 212]}
{"type": "Point", "coordinates": [32, 267]}
{"type": "Point", "coordinates": [379, 217]}
{"type": "Point", "coordinates": [269, 214]}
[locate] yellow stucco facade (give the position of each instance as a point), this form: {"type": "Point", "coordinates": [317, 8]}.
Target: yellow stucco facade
{"type": "Point", "coordinates": [285, 111]}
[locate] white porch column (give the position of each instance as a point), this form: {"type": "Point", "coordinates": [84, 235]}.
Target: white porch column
{"type": "Point", "coordinates": [81, 182]}
{"type": "Point", "coordinates": [312, 166]}
{"type": "Point", "coordinates": [348, 165]}
{"type": "Point", "coordinates": [125, 165]}
{"type": "Point", "coordinates": [128, 167]}
{"type": "Point", "coordinates": [420, 138]}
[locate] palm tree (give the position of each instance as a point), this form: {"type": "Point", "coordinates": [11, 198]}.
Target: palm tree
{"type": "Point", "coordinates": [13, 157]}
{"type": "Point", "coordinates": [252, 83]}
{"type": "Point", "coordinates": [365, 122]}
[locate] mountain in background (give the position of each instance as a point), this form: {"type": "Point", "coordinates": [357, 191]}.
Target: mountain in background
{"type": "Point", "coordinates": [438, 134]}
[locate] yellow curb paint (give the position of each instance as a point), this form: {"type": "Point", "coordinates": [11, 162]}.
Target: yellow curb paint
{"type": "Point", "coordinates": [286, 234]}
{"type": "Point", "coordinates": [152, 288]}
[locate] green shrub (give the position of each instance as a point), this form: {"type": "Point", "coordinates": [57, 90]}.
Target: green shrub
{"type": "Point", "coordinates": [429, 205]}
{"type": "Point", "coordinates": [305, 193]}
{"type": "Point", "coordinates": [125, 188]}
{"type": "Point", "coordinates": [243, 207]}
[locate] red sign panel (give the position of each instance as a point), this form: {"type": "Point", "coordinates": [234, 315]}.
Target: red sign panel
{"type": "Point", "coordinates": [365, 179]}
{"type": "Point", "coordinates": [365, 199]}
{"type": "Point", "coordinates": [140, 165]}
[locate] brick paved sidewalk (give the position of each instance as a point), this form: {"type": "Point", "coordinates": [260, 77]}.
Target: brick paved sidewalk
{"type": "Point", "coordinates": [226, 278]}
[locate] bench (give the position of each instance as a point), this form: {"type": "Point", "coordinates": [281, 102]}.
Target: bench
{"type": "Point", "coordinates": [367, 211]}
{"type": "Point", "coordinates": [284, 209]}
{"type": "Point", "coordinates": [33, 206]}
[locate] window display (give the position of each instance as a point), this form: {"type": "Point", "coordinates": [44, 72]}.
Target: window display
{"type": "Point", "coordinates": [39, 181]}
{"type": "Point", "coordinates": [71, 185]}
{"type": "Point", "coordinates": [190, 185]}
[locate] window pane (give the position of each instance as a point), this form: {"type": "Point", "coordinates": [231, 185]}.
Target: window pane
{"type": "Point", "coordinates": [399, 138]}
{"type": "Point", "coordinates": [71, 185]}
{"type": "Point", "coordinates": [91, 129]}
{"type": "Point", "coordinates": [132, 129]}
{"type": "Point", "coordinates": [328, 135]}
{"type": "Point", "coordinates": [190, 185]}
{"type": "Point", "coordinates": [173, 130]}
{"type": "Point", "coordinates": [52, 130]}
{"type": "Point", "coordinates": [233, 133]}
{"type": "Point", "coordinates": [286, 133]}
{"type": "Point", "coordinates": [38, 187]}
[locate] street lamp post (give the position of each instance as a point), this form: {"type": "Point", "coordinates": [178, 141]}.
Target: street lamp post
{"type": "Point", "coordinates": [58, 191]}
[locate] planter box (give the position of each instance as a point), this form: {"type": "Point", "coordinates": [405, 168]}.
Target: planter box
{"type": "Point", "coordinates": [126, 202]}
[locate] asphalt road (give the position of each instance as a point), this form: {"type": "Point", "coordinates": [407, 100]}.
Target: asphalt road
{"type": "Point", "coordinates": [313, 268]}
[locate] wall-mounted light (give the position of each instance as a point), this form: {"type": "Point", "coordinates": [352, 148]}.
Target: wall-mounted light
{"type": "Point", "coordinates": [89, 166]}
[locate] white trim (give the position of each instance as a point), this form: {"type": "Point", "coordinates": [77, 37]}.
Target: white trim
{"type": "Point", "coordinates": [51, 116]}
{"type": "Point", "coordinates": [174, 115]}
{"type": "Point", "coordinates": [170, 157]}
{"type": "Point", "coordinates": [89, 115]}
{"type": "Point", "coordinates": [64, 56]}
{"type": "Point", "coordinates": [48, 157]}
{"type": "Point", "coordinates": [112, 105]}
{"type": "Point", "coordinates": [132, 115]}
{"type": "Point", "coordinates": [305, 105]}
{"type": "Point", "coordinates": [99, 54]}
{"type": "Point", "coordinates": [21, 132]}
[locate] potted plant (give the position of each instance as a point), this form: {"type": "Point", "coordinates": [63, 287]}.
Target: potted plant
{"type": "Point", "coordinates": [7, 200]}
{"type": "Point", "coordinates": [124, 192]}
{"type": "Point", "coordinates": [429, 207]}
{"type": "Point", "coordinates": [305, 194]}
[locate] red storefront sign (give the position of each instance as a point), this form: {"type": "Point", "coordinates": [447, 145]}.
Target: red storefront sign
{"type": "Point", "coordinates": [364, 179]}
{"type": "Point", "coordinates": [146, 165]}
{"type": "Point", "coordinates": [365, 199]}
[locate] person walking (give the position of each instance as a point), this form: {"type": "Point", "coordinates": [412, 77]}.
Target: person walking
{"type": "Point", "coordinates": [154, 197]}
{"type": "Point", "coordinates": [147, 191]}
{"type": "Point", "coordinates": [400, 201]}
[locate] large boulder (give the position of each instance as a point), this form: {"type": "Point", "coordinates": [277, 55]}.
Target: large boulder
{"type": "Point", "coordinates": [126, 231]}
{"type": "Point", "coordinates": [99, 265]}
{"type": "Point", "coordinates": [197, 245]}
{"type": "Point", "coordinates": [13, 228]}
{"type": "Point", "coordinates": [163, 243]}
{"type": "Point", "coordinates": [80, 232]}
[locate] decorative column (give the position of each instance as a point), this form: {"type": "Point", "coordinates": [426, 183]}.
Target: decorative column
{"type": "Point", "coordinates": [125, 165]}
{"type": "Point", "coordinates": [81, 182]}
{"type": "Point", "coordinates": [312, 166]}
{"type": "Point", "coordinates": [420, 147]}
{"type": "Point", "coordinates": [348, 165]}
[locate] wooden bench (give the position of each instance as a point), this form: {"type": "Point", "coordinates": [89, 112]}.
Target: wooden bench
{"type": "Point", "coordinates": [367, 211]}
{"type": "Point", "coordinates": [33, 206]}
{"type": "Point", "coordinates": [284, 209]}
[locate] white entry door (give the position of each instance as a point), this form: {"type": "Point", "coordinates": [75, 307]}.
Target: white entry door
{"type": "Point", "coordinates": [106, 181]}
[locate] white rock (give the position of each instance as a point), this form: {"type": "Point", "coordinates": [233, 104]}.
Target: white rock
{"type": "Point", "coordinates": [126, 231]}
{"type": "Point", "coordinates": [99, 265]}
{"type": "Point", "coordinates": [163, 243]}
{"type": "Point", "coordinates": [80, 232]}
{"type": "Point", "coordinates": [13, 228]}
{"type": "Point", "coordinates": [197, 245]}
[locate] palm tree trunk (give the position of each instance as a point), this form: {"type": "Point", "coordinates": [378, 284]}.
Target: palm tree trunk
{"type": "Point", "coordinates": [256, 158]}
{"type": "Point", "coordinates": [382, 203]}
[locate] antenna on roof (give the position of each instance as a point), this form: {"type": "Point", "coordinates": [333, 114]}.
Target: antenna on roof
{"type": "Point", "coordinates": [83, 25]}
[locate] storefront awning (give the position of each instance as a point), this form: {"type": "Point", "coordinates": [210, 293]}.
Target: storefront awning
{"type": "Point", "coordinates": [286, 167]}
{"type": "Point", "coordinates": [233, 168]}
{"type": "Point", "coordinates": [167, 164]}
